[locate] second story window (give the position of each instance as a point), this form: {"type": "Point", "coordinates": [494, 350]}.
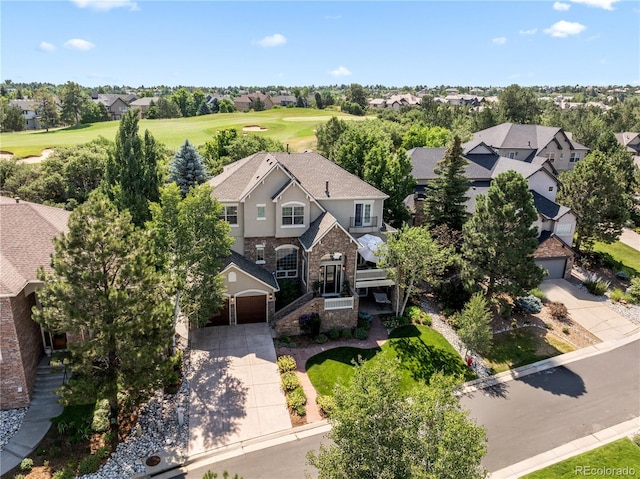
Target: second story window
{"type": "Point", "coordinates": [262, 215]}
{"type": "Point", "coordinates": [575, 157]}
{"type": "Point", "coordinates": [292, 215]}
{"type": "Point", "coordinates": [230, 214]}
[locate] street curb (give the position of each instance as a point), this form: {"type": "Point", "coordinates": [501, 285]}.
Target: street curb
{"type": "Point", "coordinates": [566, 451]}
{"type": "Point", "coordinates": [561, 360]}
{"type": "Point", "coordinates": [244, 447]}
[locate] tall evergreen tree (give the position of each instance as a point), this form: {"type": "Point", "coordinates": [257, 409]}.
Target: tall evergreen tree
{"type": "Point", "coordinates": [73, 102]}
{"type": "Point", "coordinates": [106, 289]}
{"type": "Point", "coordinates": [475, 325]}
{"type": "Point", "coordinates": [446, 195]}
{"type": "Point", "coordinates": [132, 177]}
{"type": "Point", "coordinates": [187, 168]}
{"type": "Point", "coordinates": [499, 240]}
{"type": "Point", "coordinates": [47, 108]}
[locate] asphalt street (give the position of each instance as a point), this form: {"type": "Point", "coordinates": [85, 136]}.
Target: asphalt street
{"type": "Point", "coordinates": [536, 413]}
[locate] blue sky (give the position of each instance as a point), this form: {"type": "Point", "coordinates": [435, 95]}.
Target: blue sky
{"type": "Point", "coordinates": [213, 43]}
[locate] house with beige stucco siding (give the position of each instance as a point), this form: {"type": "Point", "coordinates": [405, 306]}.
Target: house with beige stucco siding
{"type": "Point", "coordinates": [556, 224]}
{"type": "Point", "coordinates": [297, 217]}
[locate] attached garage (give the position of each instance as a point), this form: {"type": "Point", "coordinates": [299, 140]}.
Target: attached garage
{"type": "Point", "coordinates": [251, 309]}
{"type": "Point", "coordinates": [554, 266]}
{"type": "Point", "coordinates": [222, 318]}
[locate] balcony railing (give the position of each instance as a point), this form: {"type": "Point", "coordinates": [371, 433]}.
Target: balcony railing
{"type": "Point", "coordinates": [370, 274]}
{"type": "Point", "coordinates": [331, 304]}
{"type": "Point", "coordinates": [358, 222]}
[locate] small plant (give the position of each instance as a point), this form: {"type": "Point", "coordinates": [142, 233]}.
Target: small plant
{"type": "Point", "coordinates": [103, 452]}
{"type": "Point", "coordinates": [565, 330]}
{"type": "Point", "coordinates": [289, 381]}
{"type": "Point", "coordinates": [19, 476]}
{"type": "Point", "coordinates": [361, 334]}
{"type": "Point", "coordinates": [334, 334]}
{"type": "Point", "coordinates": [596, 285]}
{"type": "Point", "coordinates": [325, 404]}
{"type": "Point", "coordinates": [296, 398]}
{"type": "Point", "coordinates": [26, 464]}
{"type": "Point", "coordinates": [364, 316]}
{"type": "Point", "coordinates": [622, 274]}
{"type": "Point", "coordinates": [64, 427]}
{"type": "Point", "coordinates": [529, 304]}
{"type": "Point", "coordinates": [284, 339]}
{"type": "Point", "coordinates": [64, 474]}
{"type": "Point", "coordinates": [537, 293]}
{"type": "Point", "coordinates": [45, 463]}
{"type": "Point", "coordinates": [346, 334]}
{"type": "Point", "coordinates": [548, 325]}
{"type": "Point", "coordinates": [514, 324]}
{"type": "Point", "coordinates": [634, 290]}
{"type": "Point", "coordinates": [286, 363]}
{"type": "Point", "coordinates": [619, 296]}
{"type": "Point", "coordinates": [89, 465]}
{"type": "Point", "coordinates": [321, 339]}
{"type": "Point", "coordinates": [558, 310]}
{"type": "Point", "coordinates": [505, 308]}
{"type": "Point", "coordinates": [310, 324]}
{"type": "Point", "coordinates": [453, 320]}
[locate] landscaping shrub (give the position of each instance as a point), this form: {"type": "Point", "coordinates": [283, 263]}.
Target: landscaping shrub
{"type": "Point", "coordinates": [537, 293]}
{"type": "Point", "coordinates": [289, 381]}
{"type": "Point", "coordinates": [565, 330]}
{"type": "Point", "coordinates": [325, 404]}
{"type": "Point", "coordinates": [558, 310]}
{"type": "Point", "coordinates": [26, 464]}
{"type": "Point", "coordinates": [286, 363]}
{"type": "Point", "coordinates": [596, 285]}
{"type": "Point", "coordinates": [364, 323]}
{"type": "Point", "coordinates": [334, 334]}
{"type": "Point", "coordinates": [361, 333]}
{"type": "Point", "coordinates": [529, 304]}
{"type": "Point", "coordinates": [346, 334]}
{"type": "Point", "coordinates": [622, 274]}
{"type": "Point", "coordinates": [100, 422]}
{"type": "Point", "coordinates": [505, 308]}
{"type": "Point", "coordinates": [64, 474]}
{"type": "Point", "coordinates": [618, 295]}
{"type": "Point", "coordinates": [452, 294]}
{"type": "Point", "coordinates": [364, 316]}
{"type": "Point", "coordinates": [19, 476]}
{"type": "Point", "coordinates": [310, 324]}
{"type": "Point", "coordinates": [89, 465]}
{"type": "Point", "coordinates": [296, 398]}
{"type": "Point", "coordinates": [634, 290]}
{"type": "Point", "coordinates": [321, 339]}
{"type": "Point", "coordinates": [453, 320]}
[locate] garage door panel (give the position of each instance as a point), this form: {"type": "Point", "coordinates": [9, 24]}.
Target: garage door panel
{"type": "Point", "coordinates": [251, 309]}
{"type": "Point", "coordinates": [554, 266]}
{"type": "Point", "coordinates": [222, 318]}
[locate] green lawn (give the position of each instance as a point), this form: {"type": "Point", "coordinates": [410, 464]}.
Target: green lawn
{"type": "Point", "coordinates": [617, 455]}
{"type": "Point", "coordinates": [295, 126]}
{"type": "Point", "coordinates": [421, 350]}
{"type": "Point", "coordinates": [628, 257]}
{"type": "Point", "coordinates": [522, 346]}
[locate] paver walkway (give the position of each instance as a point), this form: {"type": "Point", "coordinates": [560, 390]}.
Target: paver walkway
{"type": "Point", "coordinates": [588, 310]}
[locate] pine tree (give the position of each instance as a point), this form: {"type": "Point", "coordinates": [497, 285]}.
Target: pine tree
{"type": "Point", "coordinates": [105, 289]}
{"type": "Point", "coordinates": [475, 324]}
{"type": "Point", "coordinates": [446, 196]}
{"type": "Point", "coordinates": [187, 169]}
{"type": "Point", "coordinates": [499, 240]}
{"type": "Point", "coordinates": [132, 178]}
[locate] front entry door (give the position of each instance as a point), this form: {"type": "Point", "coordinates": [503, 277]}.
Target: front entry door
{"type": "Point", "coordinates": [331, 279]}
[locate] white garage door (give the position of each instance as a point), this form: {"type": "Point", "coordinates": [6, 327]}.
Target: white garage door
{"type": "Point", "coordinates": [554, 266]}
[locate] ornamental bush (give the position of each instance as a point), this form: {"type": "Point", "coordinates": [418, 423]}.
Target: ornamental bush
{"type": "Point", "coordinates": [634, 290]}
{"type": "Point", "coordinates": [596, 285]}
{"type": "Point", "coordinates": [529, 304]}
{"type": "Point", "coordinates": [558, 310]}
{"type": "Point", "coordinates": [296, 399]}
{"type": "Point", "coordinates": [325, 404]}
{"type": "Point", "coordinates": [289, 381]}
{"type": "Point", "coordinates": [286, 363]}
{"type": "Point", "coordinates": [310, 324]}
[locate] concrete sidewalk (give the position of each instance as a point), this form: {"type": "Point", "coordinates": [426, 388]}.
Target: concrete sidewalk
{"type": "Point", "coordinates": [630, 238]}
{"type": "Point", "coordinates": [589, 311]}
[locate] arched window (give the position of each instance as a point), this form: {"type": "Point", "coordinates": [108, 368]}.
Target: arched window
{"type": "Point", "coordinates": [286, 261]}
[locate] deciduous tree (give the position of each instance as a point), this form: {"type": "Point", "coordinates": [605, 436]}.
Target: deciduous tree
{"type": "Point", "coordinates": [47, 108]}
{"type": "Point", "coordinates": [11, 118]}
{"type": "Point", "coordinates": [105, 288]}
{"type": "Point", "coordinates": [499, 239]}
{"type": "Point", "coordinates": [73, 102]}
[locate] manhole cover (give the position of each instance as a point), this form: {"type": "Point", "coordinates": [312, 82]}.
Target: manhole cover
{"type": "Point", "coordinates": [153, 461]}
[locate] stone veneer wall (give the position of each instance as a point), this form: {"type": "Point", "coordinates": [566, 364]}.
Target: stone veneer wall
{"type": "Point", "coordinates": [335, 241]}
{"type": "Point", "coordinates": [554, 248]}
{"type": "Point", "coordinates": [338, 319]}
{"type": "Point", "coordinates": [21, 350]}
{"type": "Point", "coordinates": [419, 216]}
{"type": "Point", "coordinates": [270, 245]}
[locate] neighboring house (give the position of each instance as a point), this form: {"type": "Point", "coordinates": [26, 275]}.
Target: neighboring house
{"type": "Point", "coordinates": [29, 112]}
{"type": "Point", "coordinates": [284, 100]}
{"type": "Point", "coordinates": [117, 105]}
{"type": "Point", "coordinates": [297, 216]}
{"type": "Point", "coordinates": [143, 104]}
{"type": "Point", "coordinates": [395, 102]}
{"type": "Point", "coordinates": [463, 100]}
{"type": "Point", "coordinates": [244, 102]}
{"type": "Point", "coordinates": [555, 223]}
{"type": "Point", "coordinates": [526, 142]}
{"type": "Point", "coordinates": [27, 231]}
{"type": "Point", "coordinates": [631, 142]}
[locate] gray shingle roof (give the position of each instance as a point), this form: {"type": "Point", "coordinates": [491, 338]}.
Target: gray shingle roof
{"type": "Point", "coordinates": [252, 269]}
{"type": "Point", "coordinates": [548, 208]}
{"type": "Point", "coordinates": [310, 169]}
{"type": "Point", "coordinates": [317, 229]}
{"type": "Point", "coordinates": [26, 241]}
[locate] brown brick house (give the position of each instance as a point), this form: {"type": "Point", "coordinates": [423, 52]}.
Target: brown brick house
{"type": "Point", "coordinates": [26, 243]}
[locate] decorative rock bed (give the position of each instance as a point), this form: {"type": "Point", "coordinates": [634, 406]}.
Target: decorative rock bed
{"type": "Point", "coordinates": [10, 422]}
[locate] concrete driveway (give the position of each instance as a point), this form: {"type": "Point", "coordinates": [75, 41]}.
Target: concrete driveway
{"type": "Point", "coordinates": [589, 311]}
{"type": "Point", "coordinates": [235, 387]}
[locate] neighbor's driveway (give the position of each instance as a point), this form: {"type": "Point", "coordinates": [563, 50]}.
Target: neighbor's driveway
{"type": "Point", "coordinates": [589, 311]}
{"type": "Point", "coordinates": [235, 387]}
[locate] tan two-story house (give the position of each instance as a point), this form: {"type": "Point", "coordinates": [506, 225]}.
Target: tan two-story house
{"type": "Point", "coordinates": [297, 216]}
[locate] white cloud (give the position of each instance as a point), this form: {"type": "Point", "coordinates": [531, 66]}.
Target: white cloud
{"type": "Point", "coordinates": [79, 44]}
{"type": "Point", "coordinates": [47, 47]}
{"type": "Point", "coordinates": [273, 40]}
{"type": "Point", "coordinates": [499, 40]}
{"type": "Point", "coordinates": [606, 4]}
{"type": "Point", "coordinates": [340, 72]}
{"type": "Point", "coordinates": [561, 7]}
{"type": "Point", "coordinates": [531, 31]}
{"type": "Point", "coordinates": [106, 5]}
{"type": "Point", "coordinates": [563, 29]}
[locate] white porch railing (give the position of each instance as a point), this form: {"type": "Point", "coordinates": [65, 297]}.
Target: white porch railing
{"type": "Point", "coordinates": [370, 274]}
{"type": "Point", "coordinates": [338, 303]}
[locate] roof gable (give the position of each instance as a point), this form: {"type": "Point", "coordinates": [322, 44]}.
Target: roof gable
{"type": "Point", "coordinates": [319, 228]}
{"type": "Point", "coordinates": [235, 260]}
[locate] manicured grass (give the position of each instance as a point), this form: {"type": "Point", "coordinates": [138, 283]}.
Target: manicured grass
{"type": "Point", "coordinates": [617, 455]}
{"type": "Point", "coordinates": [522, 346]}
{"type": "Point", "coordinates": [295, 126]}
{"type": "Point", "coordinates": [628, 257]}
{"type": "Point", "coordinates": [421, 350]}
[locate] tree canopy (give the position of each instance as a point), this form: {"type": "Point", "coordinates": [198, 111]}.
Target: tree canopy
{"type": "Point", "coordinates": [73, 102]}
{"type": "Point", "coordinates": [187, 168]}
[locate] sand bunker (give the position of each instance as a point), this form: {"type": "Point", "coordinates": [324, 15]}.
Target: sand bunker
{"type": "Point", "coordinates": [28, 159]}
{"type": "Point", "coordinates": [254, 128]}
